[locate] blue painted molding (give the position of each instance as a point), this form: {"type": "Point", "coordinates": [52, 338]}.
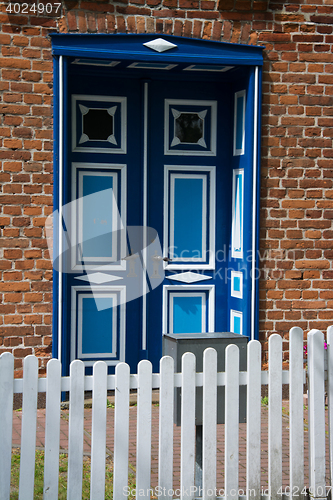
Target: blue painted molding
{"type": "Point", "coordinates": [55, 202]}
{"type": "Point", "coordinates": [130, 47]}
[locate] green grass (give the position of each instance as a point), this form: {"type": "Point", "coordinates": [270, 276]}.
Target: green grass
{"type": "Point", "coordinates": [264, 400]}
{"type": "Point", "coordinates": [63, 467]}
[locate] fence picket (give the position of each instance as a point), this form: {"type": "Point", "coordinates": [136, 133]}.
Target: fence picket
{"type": "Point", "coordinates": [275, 416]}
{"type": "Point", "coordinates": [6, 427]}
{"type": "Point", "coordinates": [209, 418]}
{"type": "Point", "coordinates": [330, 395]}
{"type": "Point", "coordinates": [121, 430]}
{"type": "Point", "coordinates": [296, 424]}
{"type": "Point", "coordinates": [98, 434]}
{"type": "Point", "coordinates": [28, 432]}
{"type": "Point", "coordinates": [187, 445]}
{"type": "Point", "coordinates": [231, 421]}
{"type": "Point", "coordinates": [317, 413]}
{"type": "Point", "coordinates": [143, 450]}
{"type": "Point", "coordinates": [253, 431]}
{"type": "Point", "coordinates": [75, 437]}
{"type": "Point", "coordinates": [52, 430]}
{"type": "Point", "coordinates": [165, 452]}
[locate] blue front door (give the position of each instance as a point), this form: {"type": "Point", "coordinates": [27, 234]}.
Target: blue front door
{"type": "Point", "coordinates": [155, 208]}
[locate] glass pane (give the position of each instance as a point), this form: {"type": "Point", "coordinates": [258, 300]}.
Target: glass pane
{"type": "Point", "coordinates": [189, 128]}
{"type": "Point", "coordinates": [98, 124]}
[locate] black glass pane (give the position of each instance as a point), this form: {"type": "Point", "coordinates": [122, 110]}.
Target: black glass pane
{"type": "Point", "coordinates": [189, 127]}
{"type": "Point", "coordinates": [98, 124]}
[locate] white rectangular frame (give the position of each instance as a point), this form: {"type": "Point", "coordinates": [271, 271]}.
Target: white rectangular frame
{"type": "Point", "coordinates": [112, 354]}
{"type": "Point", "coordinates": [121, 289]}
{"type": "Point", "coordinates": [238, 152]}
{"type": "Point", "coordinates": [194, 67]}
{"type": "Point", "coordinates": [203, 177]}
{"type": "Point", "coordinates": [172, 295]}
{"type": "Point", "coordinates": [108, 99]}
{"type": "Point", "coordinates": [236, 314]}
{"type": "Point", "coordinates": [143, 65]}
{"type": "Point", "coordinates": [237, 254]}
{"type": "Point", "coordinates": [237, 293]}
{"type": "Point", "coordinates": [91, 62]}
{"type": "Point", "coordinates": [211, 151]}
{"type": "Point", "coordinates": [212, 218]}
{"type": "Point", "coordinates": [114, 175]}
{"type": "Point", "coordinates": [120, 265]}
{"type": "Point", "coordinates": [167, 289]}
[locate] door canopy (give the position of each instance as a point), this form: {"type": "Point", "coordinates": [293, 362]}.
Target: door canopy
{"type": "Point", "coordinates": [151, 48]}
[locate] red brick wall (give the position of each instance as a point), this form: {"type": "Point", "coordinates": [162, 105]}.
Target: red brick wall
{"type": "Point", "coordinates": [296, 286]}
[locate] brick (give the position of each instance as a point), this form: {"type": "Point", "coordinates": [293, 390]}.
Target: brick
{"type": "Point", "coordinates": [14, 331]}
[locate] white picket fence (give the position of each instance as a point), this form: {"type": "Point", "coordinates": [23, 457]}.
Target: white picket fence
{"type": "Point", "coordinates": [166, 381]}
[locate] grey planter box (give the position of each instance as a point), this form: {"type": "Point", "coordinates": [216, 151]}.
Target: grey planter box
{"type": "Point", "coordinates": [175, 345]}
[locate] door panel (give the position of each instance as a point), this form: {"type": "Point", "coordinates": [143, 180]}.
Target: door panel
{"type": "Point", "coordinates": [100, 283]}
{"type": "Point", "coordinates": [189, 217]}
{"type": "Point", "coordinates": [189, 198]}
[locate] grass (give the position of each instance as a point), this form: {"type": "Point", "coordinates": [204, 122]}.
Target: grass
{"type": "Point", "coordinates": [63, 468]}
{"type": "Point", "coordinates": [264, 400]}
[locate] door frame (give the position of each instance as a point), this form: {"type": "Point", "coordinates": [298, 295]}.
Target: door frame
{"type": "Point", "coordinates": [132, 47]}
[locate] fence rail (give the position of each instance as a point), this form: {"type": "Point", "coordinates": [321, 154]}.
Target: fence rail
{"type": "Point", "coordinates": [166, 381]}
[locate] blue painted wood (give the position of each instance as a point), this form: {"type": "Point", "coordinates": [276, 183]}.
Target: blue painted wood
{"type": "Point", "coordinates": [85, 83]}
{"type": "Point", "coordinates": [127, 47]}
{"type": "Point", "coordinates": [187, 314]}
{"type": "Point", "coordinates": [245, 161]}
{"type": "Point", "coordinates": [188, 217]}
{"type": "Point", "coordinates": [56, 304]}
{"type": "Point", "coordinates": [237, 325]}
{"type": "Point", "coordinates": [97, 327]}
{"type": "Point", "coordinates": [240, 122]}
{"type": "Point", "coordinates": [120, 81]}
{"type": "Point", "coordinates": [97, 216]}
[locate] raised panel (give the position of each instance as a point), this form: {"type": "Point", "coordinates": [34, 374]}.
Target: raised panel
{"type": "Point", "coordinates": [189, 217]}
{"type": "Point", "coordinates": [98, 323]}
{"type": "Point", "coordinates": [188, 313]}
{"type": "Point", "coordinates": [239, 123]}
{"type": "Point", "coordinates": [190, 127]}
{"type": "Point", "coordinates": [96, 218]}
{"type": "Point", "coordinates": [99, 124]}
{"type": "Point", "coordinates": [237, 214]}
